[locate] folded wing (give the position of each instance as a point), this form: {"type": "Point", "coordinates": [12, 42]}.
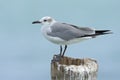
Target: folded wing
{"type": "Point", "coordinates": [69, 32]}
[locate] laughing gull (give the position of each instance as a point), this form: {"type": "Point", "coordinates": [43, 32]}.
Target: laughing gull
{"type": "Point", "coordinates": [65, 34]}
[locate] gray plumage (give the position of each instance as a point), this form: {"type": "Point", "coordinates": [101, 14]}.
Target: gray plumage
{"type": "Point", "coordinates": [64, 34]}
{"type": "Point", "coordinates": [68, 32]}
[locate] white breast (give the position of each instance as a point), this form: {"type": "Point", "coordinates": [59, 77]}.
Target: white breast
{"type": "Point", "coordinates": [45, 30]}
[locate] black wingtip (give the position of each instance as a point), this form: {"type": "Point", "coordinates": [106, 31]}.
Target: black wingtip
{"type": "Point", "coordinates": [102, 31]}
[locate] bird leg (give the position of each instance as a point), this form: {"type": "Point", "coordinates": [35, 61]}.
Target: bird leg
{"type": "Point", "coordinates": [60, 50]}
{"type": "Point", "coordinates": [64, 50]}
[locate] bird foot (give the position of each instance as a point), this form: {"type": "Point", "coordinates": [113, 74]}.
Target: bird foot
{"type": "Point", "coordinates": [57, 58]}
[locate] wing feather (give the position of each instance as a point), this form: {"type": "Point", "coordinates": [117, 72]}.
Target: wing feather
{"type": "Point", "coordinates": [68, 32]}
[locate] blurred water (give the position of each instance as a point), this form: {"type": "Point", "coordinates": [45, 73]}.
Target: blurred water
{"type": "Point", "coordinates": [26, 55]}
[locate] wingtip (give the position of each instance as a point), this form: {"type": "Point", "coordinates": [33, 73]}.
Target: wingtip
{"type": "Point", "coordinates": [108, 32]}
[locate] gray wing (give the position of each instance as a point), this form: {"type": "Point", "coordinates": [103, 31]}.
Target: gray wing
{"type": "Point", "coordinates": [68, 32]}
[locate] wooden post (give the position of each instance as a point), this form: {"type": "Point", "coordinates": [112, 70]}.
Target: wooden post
{"type": "Point", "coordinates": [66, 68]}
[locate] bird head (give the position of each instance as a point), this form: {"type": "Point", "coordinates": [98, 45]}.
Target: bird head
{"type": "Point", "coordinates": [45, 21]}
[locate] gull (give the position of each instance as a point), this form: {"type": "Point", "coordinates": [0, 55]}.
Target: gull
{"type": "Point", "coordinates": [64, 34]}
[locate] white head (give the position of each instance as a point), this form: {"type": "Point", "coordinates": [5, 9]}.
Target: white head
{"type": "Point", "coordinates": [45, 21]}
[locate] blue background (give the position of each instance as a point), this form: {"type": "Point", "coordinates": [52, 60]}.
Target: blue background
{"type": "Point", "coordinates": [26, 55]}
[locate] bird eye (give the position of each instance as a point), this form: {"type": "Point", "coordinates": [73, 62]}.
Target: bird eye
{"type": "Point", "coordinates": [45, 20]}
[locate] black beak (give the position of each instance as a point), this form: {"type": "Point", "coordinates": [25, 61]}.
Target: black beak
{"type": "Point", "coordinates": [36, 22]}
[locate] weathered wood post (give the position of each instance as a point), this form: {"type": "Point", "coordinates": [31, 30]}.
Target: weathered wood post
{"type": "Point", "coordinates": [66, 68]}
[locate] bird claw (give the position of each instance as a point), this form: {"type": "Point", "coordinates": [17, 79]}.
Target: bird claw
{"type": "Point", "coordinates": [57, 58]}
